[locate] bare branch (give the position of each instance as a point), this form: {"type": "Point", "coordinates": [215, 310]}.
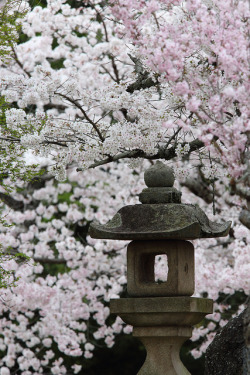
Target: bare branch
{"type": "Point", "coordinates": [17, 60]}
{"type": "Point", "coordinates": [17, 140]}
{"type": "Point", "coordinates": [144, 80]}
{"type": "Point", "coordinates": [84, 114]}
{"type": "Point", "coordinates": [173, 137]}
{"type": "Point", "coordinates": [211, 118]}
{"type": "Point", "coordinates": [10, 139]}
{"type": "Point", "coordinates": [114, 66]}
{"type": "Point", "coordinates": [115, 69]}
{"type": "Point", "coordinates": [50, 261]}
{"type": "Point", "coordinates": [55, 143]}
{"type": "Point", "coordinates": [108, 72]}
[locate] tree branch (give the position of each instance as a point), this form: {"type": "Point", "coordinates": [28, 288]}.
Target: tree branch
{"type": "Point", "coordinates": [115, 69]}
{"type": "Point", "coordinates": [170, 153]}
{"type": "Point", "coordinates": [143, 81]}
{"type": "Point", "coordinates": [55, 143]}
{"type": "Point", "coordinates": [108, 72]}
{"type": "Point", "coordinates": [10, 139]}
{"type": "Point", "coordinates": [84, 114]}
{"type": "Point", "coordinates": [134, 154]}
{"type": "Point", "coordinates": [17, 140]}
{"type": "Point", "coordinates": [11, 202]}
{"type": "Point", "coordinates": [17, 60]}
{"type": "Point", "coordinates": [49, 261]}
{"type": "Point", "coordinates": [114, 66]}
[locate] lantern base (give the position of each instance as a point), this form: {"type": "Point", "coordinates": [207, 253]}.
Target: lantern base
{"type": "Point", "coordinates": [162, 324]}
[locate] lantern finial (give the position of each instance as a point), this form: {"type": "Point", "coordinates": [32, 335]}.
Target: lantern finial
{"type": "Point", "coordinates": [159, 175]}
{"type": "Point", "coordinates": [159, 179]}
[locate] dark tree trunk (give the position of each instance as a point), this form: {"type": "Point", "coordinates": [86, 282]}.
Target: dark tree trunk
{"type": "Point", "coordinates": [229, 353]}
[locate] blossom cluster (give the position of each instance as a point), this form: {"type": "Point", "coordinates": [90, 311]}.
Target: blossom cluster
{"type": "Point", "coordinates": [71, 81]}
{"type": "Point", "coordinates": [194, 47]}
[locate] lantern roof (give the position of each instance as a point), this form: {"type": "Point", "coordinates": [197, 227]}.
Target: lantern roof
{"type": "Point", "coordinates": [161, 214]}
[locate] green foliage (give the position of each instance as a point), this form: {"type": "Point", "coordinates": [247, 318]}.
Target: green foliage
{"type": "Point", "coordinates": [10, 16]}
{"type": "Point", "coordinates": [54, 43]}
{"type": "Point", "coordinates": [12, 164]}
{"type": "Point", "coordinates": [99, 35]}
{"type": "Point", "coordinates": [7, 277]}
{"type": "Point", "coordinates": [57, 64]}
{"type": "Point", "coordinates": [64, 197]}
{"type": "Point", "coordinates": [54, 269]}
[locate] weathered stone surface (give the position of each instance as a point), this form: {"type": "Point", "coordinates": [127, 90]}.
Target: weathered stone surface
{"type": "Point", "coordinates": [161, 216]}
{"type": "Point", "coordinates": [162, 324]}
{"type": "Point", "coordinates": [160, 195]}
{"type": "Point", "coordinates": [160, 179]}
{"type": "Point", "coordinates": [159, 221]}
{"type": "Point", "coordinates": [140, 264]}
{"type": "Point", "coordinates": [161, 311]}
{"type": "Point", "coordinates": [245, 218]}
{"type": "Point", "coordinates": [229, 353]}
{"type": "Point", "coordinates": [246, 334]}
{"type": "Point", "coordinates": [163, 352]}
{"type": "Point", "coordinates": [159, 175]}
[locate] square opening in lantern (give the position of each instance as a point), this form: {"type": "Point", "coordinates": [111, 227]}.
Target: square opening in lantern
{"type": "Point", "coordinates": [161, 268]}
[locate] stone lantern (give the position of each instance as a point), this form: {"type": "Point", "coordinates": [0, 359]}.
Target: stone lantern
{"type": "Point", "coordinates": [162, 314]}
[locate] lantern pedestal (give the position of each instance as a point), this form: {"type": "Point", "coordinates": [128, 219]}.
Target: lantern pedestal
{"type": "Point", "coordinates": [162, 324]}
{"type": "Point", "coordinates": [163, 347]}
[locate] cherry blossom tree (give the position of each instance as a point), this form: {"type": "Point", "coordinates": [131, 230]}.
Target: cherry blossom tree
{"type": "Point", "coordinates": [192, 90]}
{"type": "Point", "coordinates": [96, 87]}
{"type": "Point", "coordinates": [193, 46]}
{"type": "Point", "coordinates": [102, 87]}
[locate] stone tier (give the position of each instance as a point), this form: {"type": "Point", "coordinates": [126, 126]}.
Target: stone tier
{"type": "Point", "coordinates": [162, 324]}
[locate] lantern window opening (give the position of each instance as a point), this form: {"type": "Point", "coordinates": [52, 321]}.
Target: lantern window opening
{"type": "Point", "coordinates": [161, 268]}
